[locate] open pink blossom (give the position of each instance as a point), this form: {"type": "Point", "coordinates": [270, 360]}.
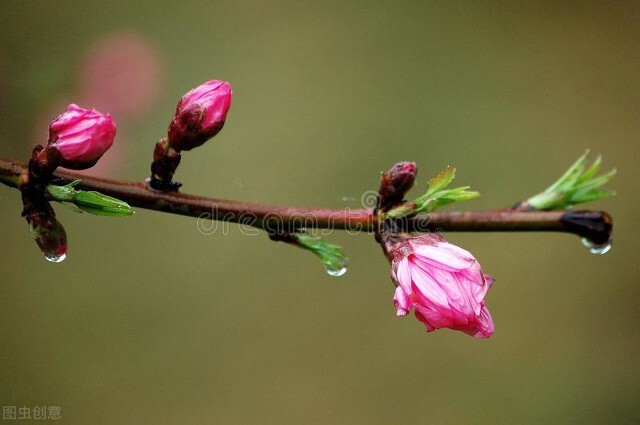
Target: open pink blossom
{"type": "Point", "coordinates": [443, 283]}
{"type": "Point", "coordinates": [80, 137]}
{"type": "Point", "coordinates": [200, 115]}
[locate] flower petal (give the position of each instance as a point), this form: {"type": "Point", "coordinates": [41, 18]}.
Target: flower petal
{"type": "Point", "coordinates": [401, 302]}
{"type": "Point", "coordinates": [429, 291]}
{"type": "Point", "coordinates": [443, 257]}
{"type": "Point", "coordinates": [403, 275]}
{"type": "Point", "coordinates": [433, 319]}
{"type": "Point", "coordinates": [485, 324]}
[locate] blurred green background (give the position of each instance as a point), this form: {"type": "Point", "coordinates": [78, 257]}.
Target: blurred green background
{"type": "Point", "coordinates": [149, 321]}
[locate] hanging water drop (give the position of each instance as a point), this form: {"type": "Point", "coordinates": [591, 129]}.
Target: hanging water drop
{"type": "Point", "coordinates": [597, 249]}
{"type": "Point", "coordinates": [336, 266]}
{"type": "Point", "coordinates": [334, 271]}
{"type": "Point", "coordinates": [334, 260]}
{"type": "Point", "coordinates": [55, 258]}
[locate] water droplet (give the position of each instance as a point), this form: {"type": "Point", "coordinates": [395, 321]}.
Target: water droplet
{"type": "Point", "coordinates": [594, 248]}
{"type": "Point", "coordinates": [336, 271]}
{"type": "Point", "coordinates": [55, 258]}
{"type": "Point", "coordinates": [336, 268]}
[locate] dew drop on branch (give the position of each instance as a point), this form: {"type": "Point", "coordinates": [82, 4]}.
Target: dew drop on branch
{"type": "Point", "coordinates": [597, 249]}
{"type": "Point", "coordinates": [55, 258]}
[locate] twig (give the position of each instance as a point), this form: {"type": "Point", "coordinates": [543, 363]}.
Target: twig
{"type": "Point", "coordinates": [593, 225]}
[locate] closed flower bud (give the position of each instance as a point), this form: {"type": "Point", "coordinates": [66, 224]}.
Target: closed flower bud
{"type": "Point", "coordinates": [443, 283]}
{"type": "Point", "coordinates": [200, 115]}
{"type": "Point", "coordinates": [80, 137]}
{"type": "Point", "coordinates": [395, 183]}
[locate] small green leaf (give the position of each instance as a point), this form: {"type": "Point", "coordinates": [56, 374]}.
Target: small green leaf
{"type": "Point", "coordinates": [441, 180]}
{"type": "Point", "coordinates": [444, 197]}
{"type": "Point", "coordinates": [576, 185]}
{"type": "Point", "coordinates": [400, 211]}
{"type": "Point", "coordinates": [595, 182]}
{"type": "Point", "coordinates": [331, 255]}
{"type": "Point", "coordinates": [593, 195]}
{"type": "Point", "coordinates": [89, 201]}
{"type": "Point", "coordinates": [98, 204]}
{"type": "Point", "coordinates": [591, 171]}
{"type": "Point", "coordinates": [570, 176]}
{"type": "Point", "coordinates": [547, 201]}
{"type": "Point", "coordinates": [62, 193]}
{"type": "Point", "coordinates": [71, 206]}
{"type": "Point", "coordinates": [435, 197]}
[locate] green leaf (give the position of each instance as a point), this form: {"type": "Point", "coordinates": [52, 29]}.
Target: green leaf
{"type": "Point", "coordinates": [98, 204]}
{"type": "Point", "coordinates": [576, 185]}
{"type": "Point", "coordinates": [570, 176]}
{"type": "Point", "coordinates": [441, 180]}
{"type": "Point", "coordinates": [435, 197]}
{"type": "Point", "coordinates": [593, 195]}
{"type": "Point", "coordinates": [89, 201]}
{"type": "Point", "coordinates": [331, 255]}
{"type": "Point", "coordinates": [596, 182]}
{"type": "Point", "coordinates": [63, 193]}
{"type": "Point", "coordinates": [591, 171]}
{"type": "Point", "coordinates": [400, 211]}
{"type": "Point", "coordinates": [547, 201]}
{"type": "Point", "coordinates": [71, 206]}
{"type": "Point", "coordinates": [444, 197]}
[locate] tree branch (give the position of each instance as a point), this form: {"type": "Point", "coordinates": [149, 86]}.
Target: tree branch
{"type": "Point", "coordinates": [593, 225]}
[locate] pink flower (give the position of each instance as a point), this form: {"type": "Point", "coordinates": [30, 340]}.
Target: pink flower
{"type": "Point", "coordinates": [443, 283]}
{"type": "Point", "coordinates": [200, 115]}
{"type": "Point", "coordinates": [80, 137]}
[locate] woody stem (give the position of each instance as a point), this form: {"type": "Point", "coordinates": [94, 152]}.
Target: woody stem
{"type": "Point", "coordinates": [594, 225]}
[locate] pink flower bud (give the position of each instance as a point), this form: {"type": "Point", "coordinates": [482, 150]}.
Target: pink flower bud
{"type": "Point", "coordinates": [443, 283]}
{"type": "Point", "coordinates": [395, 183]}
{"type": "Point", "coordinates": [200, 115]}
{"type": "Point", "coordinates": [80, 137]}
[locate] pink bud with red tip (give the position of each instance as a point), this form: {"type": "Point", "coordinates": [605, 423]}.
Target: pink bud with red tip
{"type": "Point", "coordinates": [395, 183]}
{"type": "Point", "coordinates": [200, 115]}
{"type": "Point", "coordinates": [443, 283]}
{"type": "Point", "coordinates": [80, 137]}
